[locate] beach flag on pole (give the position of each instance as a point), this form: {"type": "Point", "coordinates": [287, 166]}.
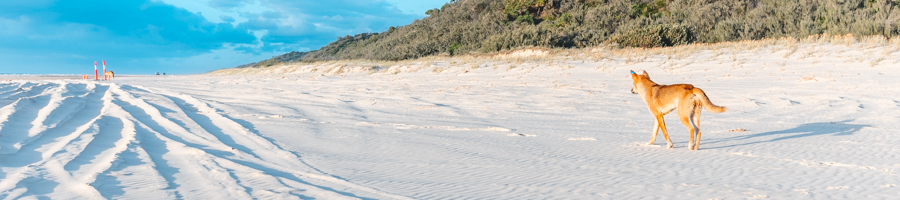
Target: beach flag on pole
{"type": "Point", "coordinates": [104, 70]}
{"type": "Point", "coordinates": [95, 71]}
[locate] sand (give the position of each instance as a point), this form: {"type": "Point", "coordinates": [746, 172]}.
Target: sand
{"type": "Point", "coordinates": [812, 121]}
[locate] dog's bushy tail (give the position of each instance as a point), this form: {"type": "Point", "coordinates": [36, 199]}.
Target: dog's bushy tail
{"type": "Point", "coordinates": [706, 103]}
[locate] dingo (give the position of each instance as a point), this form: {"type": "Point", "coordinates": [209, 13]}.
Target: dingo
{"type": "Point", "coordinates": [109, 75]}
{"type": "Point", "coordinates": [662, 99]}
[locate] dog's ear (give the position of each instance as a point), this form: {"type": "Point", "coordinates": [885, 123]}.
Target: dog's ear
{"type": "Point", "coordinates": [645, 73]}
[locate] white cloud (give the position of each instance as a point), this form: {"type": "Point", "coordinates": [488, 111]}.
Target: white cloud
{"type": "Point", "coordinates": [214, 15]}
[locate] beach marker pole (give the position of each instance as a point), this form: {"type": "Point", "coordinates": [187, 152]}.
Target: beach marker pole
{"type": "Point", "coordinates": [96, 78]}
{"type": "Point", "coordinates": [104, 70]}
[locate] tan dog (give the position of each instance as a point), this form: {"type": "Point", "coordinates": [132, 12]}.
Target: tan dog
{"type": "Point", "coordinates": [109, 75]}
{"type": "Point", "coordinates": [662, 99]}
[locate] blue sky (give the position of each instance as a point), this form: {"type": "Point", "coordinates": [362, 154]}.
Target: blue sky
{"type": "Point", "coordinates": [181, 36]}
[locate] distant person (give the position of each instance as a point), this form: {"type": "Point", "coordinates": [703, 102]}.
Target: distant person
{"type": "Point", "coordinates": [157, 73]}
{"type": "Point", "coordinates": [164, 73]}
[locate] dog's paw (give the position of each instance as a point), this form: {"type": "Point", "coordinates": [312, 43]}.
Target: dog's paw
{"type": "Point", "coordinates": [671, 145]}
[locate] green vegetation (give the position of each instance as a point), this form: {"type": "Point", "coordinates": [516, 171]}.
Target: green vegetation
{"type": "Point", "coordinates": [482, 26]}
{"type": "Point", "coordinates": [655, 36]}
{"type": "Point", "coordinates": [523, 10]}
{"type": "Point", "coordinates": [654, 9]}
{"type": "Point", "coordinates": [293, 56]}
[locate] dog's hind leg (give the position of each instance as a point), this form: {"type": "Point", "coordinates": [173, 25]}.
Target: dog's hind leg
{"type": "Point", "coordinates": [685, 116]}
{"type": "Point", "coordinates": [696, 123]}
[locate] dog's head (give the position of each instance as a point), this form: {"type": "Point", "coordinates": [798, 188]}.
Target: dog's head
{"type": "Point", "coordinates": [637, 79]}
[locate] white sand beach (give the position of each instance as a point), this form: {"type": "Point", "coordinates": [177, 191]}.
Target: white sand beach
{"type": "Point", "coordinates": [807, 120]}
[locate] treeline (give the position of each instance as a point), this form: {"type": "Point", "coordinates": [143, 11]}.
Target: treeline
{"type": "Point", "coordinates": [293, 56]}
{"type": "Point", "coordinates": [464, 26]}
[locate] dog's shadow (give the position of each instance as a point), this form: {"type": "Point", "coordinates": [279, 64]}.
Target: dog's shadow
{"type": "Point", "coordinates": [806, 130]}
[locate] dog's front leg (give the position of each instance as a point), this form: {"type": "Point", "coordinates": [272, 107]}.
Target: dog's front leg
{"type": "Point", "coordinates": [662, 125]}
{"type": "Point", "coordinates": [655, 132]}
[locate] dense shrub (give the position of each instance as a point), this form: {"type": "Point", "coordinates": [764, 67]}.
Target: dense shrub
{"type": "Point", "coordinates": [655, 36]}
{"type": "Point", "coordinates": [654, 9]}
{"type": "Point", "coordinates": [523, 10]}
{"type": "Point", "coordinates": [464, 26]}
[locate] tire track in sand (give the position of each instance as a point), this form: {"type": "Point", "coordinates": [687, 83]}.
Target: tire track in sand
{"type": "Point", "coordinates": [17, 118]}
{"type": "Point", "coordinates": [271, 159]}
{"type": "Point", "coordinates": [99, 140]}
{"type": "Point", "coordinates": [41, 160]}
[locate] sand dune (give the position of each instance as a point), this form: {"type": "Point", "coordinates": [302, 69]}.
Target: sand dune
{"type": "Point", "coordinates": [815, 122]}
